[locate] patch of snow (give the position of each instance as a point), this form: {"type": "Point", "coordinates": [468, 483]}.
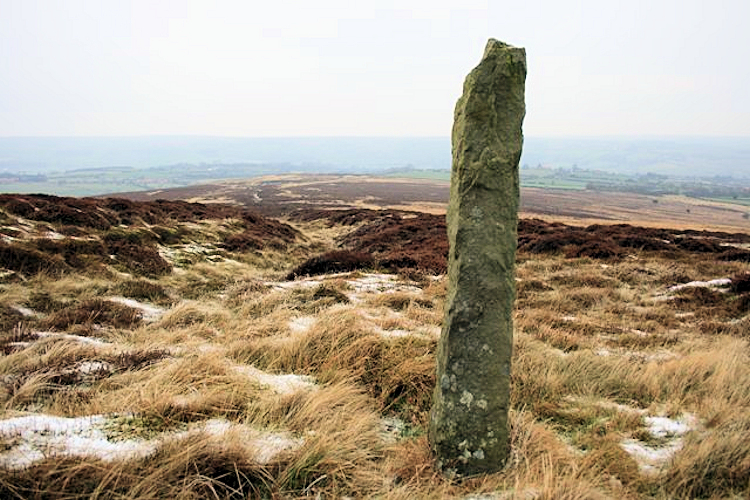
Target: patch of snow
{"type": "Point", "coordinates": [651, 458]}
{"type": "Point", "coordinates": [373, 283]}
{"type": "Point", "coordinates": [208, 348]}
{"type": "Point", "coordinates": [511, 494]}
{"type": "Point", "coordinates": [395, 333]}
{"type": "Point", "coordinates": [89, 367]}
{"type": "Point", "coordinates": [645, 357]}
{"type": "Point", "coordinates": [36, 437]}
{"type": "Point", "coordinates": [290, 285]}
{"type": "Point", "coordinates": [52, 235]}
{"type": "Point", "coordinates": [638, 333]}
{"type": "Point", "coordinates": [32, 438]}
{"type": "Point", "coordinates": [366, 283]}
{"type": "Point", "coordinates": [149, 312]}
{"type": "Point", "coordinates": [684, 315]}
{"type": "Point", "coordinates": [280, 384]}
{"type": "Point", "coordinates": [265, 445]}
{"type": "Point", "coordinates": [76, 338]}
{"type": "Point", "coordinates": [391, 429]}
{"type": "Point", "coordinates": [6, 274]}
{"type": "Point", "coordinates": [24, 310]}
{"type": "Point", "coordinates": [717, 283]}
{"type": "Point", "coordinates": [19, 345]}
{"type": "Point", "coordinates": [301, 324]}
{"type": "Point", "coordinates": [664, 426]}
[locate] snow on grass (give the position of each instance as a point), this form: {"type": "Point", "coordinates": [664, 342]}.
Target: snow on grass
{"type": "Point", "coordinates": [664, 427]}
{"type": "Point", "coordinates": [263, 445]}
{"type": "Point", "coordinates": [33, 438]}
{"type": "Point", "coordinates": [717, 283]}
{"type": "Point", "coordinates": [279, 383]}
{"type": "Point", "coordinates": [361, 284]}
{"type": "Point", "coordinates": [24, 311]}
{"type": "Point", "coordinates": [397, 333]}
{"type": "Point", "coordinates": [149, 312]}
{"type": "Point", "coordinates": [76, 338]}
{"type": "Point", "coordinates": [301, 324]}
{"type": "Point", "coordinates": [652, 457]}
{"type": "Point", "coordinates": [391, 429]}
{"type": "Point", "coordinates": [379, 283]}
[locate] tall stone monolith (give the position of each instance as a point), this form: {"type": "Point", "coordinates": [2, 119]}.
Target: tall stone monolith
{"type": "Point", "coordinates": [469, 417]}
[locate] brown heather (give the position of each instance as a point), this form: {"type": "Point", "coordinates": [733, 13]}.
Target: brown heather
{"type": "Point", "coordinates": [600, 344]}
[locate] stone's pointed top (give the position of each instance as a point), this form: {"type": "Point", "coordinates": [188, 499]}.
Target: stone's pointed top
{"type": "Point", "coordinates": [494, 46]}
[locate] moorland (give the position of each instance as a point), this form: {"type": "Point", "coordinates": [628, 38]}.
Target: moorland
{"type": "Point", "coordinates": [277, 340]}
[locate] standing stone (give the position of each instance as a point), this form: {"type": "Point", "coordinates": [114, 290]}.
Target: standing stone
{"type": "Point", "coordinates": [469, 416]}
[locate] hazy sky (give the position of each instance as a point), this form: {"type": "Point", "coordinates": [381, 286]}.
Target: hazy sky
{"type": "Point", "coordinates": [275, 67]}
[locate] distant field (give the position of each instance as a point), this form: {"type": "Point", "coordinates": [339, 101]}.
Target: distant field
{"type": "Point", "coordinates": [279, 195]}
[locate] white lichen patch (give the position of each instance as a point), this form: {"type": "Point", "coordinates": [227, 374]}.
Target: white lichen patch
{"type": "Point", "coordinates": [149, 313]}
{"type": "Point", "coordinates": [279, 383]}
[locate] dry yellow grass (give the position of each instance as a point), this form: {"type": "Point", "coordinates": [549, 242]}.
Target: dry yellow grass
{"type": "Point", "coordinates": [346, 375]}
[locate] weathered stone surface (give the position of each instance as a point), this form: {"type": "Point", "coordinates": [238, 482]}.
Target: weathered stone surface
{"type": "Point", "coordinates": [469, 417]}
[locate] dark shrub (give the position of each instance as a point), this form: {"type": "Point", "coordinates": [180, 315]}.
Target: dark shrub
{"type": "Point", "coordinates": [94, 311]}
{"type": "Point", "coordinates": [9, 318]}
{"type": "Point", "coordinates": [141, 259]}
{"type": "Point", "coordinates": [143, 290]}
{"type": "Point", "coordinates": [28, 260]}
{"type": "Point", "coordinates": [336, 261]}
{"type": "Point", "coordinates": [595, 250]}
{"type": "Point", "coordinates": [77, 253]}
{"type": "Point", "coordinates": [735, 255]}
{"type": "Point", "coordinates": [698, 246]}
{"type": "Point", "coordinates": [43, 302]}
{"type": "Point", "coordinates": [243, 242]}
{"type": "Point", "coordinates": [741, 283]}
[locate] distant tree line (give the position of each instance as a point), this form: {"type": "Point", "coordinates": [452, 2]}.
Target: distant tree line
{"type": "Point", "coordinates": [658, 185]}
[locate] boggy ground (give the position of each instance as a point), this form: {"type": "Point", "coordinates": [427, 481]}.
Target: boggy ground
{"type": "Point", "coordinates": [230, 372]}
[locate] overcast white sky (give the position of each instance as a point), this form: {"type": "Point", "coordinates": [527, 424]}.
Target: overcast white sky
{"type": "Point", "coordinates": [280, 68]}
